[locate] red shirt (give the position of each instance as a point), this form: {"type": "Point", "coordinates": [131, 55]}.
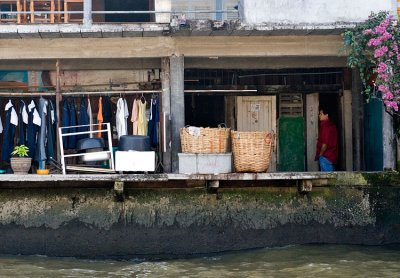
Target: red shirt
{"type": "Point", "coordinates": [328, 135]}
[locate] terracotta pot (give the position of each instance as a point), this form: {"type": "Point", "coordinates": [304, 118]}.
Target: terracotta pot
{"type": "Point", "coordinates": [21, 165]}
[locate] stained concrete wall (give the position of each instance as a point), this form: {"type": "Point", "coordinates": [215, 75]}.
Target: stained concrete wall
{"type": "Point", "coordinates": [311, 11]}
{"type": "Point", "coordinates": [163, 223]}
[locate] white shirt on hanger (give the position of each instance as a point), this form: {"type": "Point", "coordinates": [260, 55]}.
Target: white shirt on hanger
{"type": "Point", "coordinates": [36, 117]}
{"type": "Point", "coordinates": [121, 117]}
{"type": "Point", "coordinates": [14, 115]}
{"type": "Point", "coordinates": [24, 114]}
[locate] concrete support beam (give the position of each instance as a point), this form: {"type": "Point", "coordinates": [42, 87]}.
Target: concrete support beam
{"type": "Point", "coordinates": [177, 106]}
{"type": "Point", "coordinates": [358, 120]}
{"type": "Point", "coordinates": [389, 142]}
{"type": "Point", "coordinates": [87, 13]}
{"type": "Point", "coordinates": [166, 111]}
{"type": "Point", "coordinates": [158, 47]}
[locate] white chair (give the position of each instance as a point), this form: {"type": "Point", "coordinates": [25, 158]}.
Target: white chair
{"type": "Point", "coordinates": [92, 156]}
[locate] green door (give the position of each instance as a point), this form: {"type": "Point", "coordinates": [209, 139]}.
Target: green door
{"type": "Point", "coordinates": [291, 144]}
{"type": "Point", "coordinates": [373, 136]}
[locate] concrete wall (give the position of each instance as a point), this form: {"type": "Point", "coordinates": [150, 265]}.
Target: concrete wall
{"type": "Point", "coordinates": [162, 223]}
{"type": "Point", "coordinates": [311, 11]}
{"type": "Point", "coordinates": [162, 6]}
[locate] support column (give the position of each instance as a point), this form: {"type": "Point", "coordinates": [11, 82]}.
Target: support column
{"type": "Point", "coordinates": [87, 13]}
{"type": "Point", "coordinates": [166, 114]}
{"type": "Point", "coordinates": [58, 106]}
{"type": "Point", "coordinates": [357, 121]}
{"type": "Point", "coordinates": [389, 142]}
{"type": "Point", "coordinates": [177, 107]}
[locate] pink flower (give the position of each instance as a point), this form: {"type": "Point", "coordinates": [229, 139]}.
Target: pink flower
{"type": "Point", "coordinates": [382, 67]}
{"type": "Point", "coordinates": [367, 32]}
{"type": "Point", "coordinates": [380, 51]}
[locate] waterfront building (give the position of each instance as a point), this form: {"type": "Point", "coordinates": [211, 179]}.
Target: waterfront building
{"type": "Point", "coordinates": [251, 64]}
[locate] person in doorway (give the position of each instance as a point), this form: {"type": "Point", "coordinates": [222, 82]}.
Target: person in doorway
{"type": "Point", "coordinates": [327, 144]}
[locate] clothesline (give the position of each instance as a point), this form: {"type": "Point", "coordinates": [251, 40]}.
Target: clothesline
{"type": "Point", "coordinates": [47, 93]}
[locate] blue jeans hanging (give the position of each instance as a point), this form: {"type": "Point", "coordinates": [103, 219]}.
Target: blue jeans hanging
{"type": "Point", "coordinates": [51, 129]}
{"type": "Point", "coordinates": [22, 125]}
{"type": "Point", "coordinates": [8, 138]}
{"type": "Point", "coordinates": [83, 118]}
{"type": "Point", "coordinates": [32, 135]}
{"type": "Point", "coordinates": [65, 121]}
{"type": "Point", "coordinates": [73, 122]}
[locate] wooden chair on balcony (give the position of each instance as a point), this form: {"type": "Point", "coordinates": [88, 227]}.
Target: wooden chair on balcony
{"type": "Point", "coordinates": [45, 6]}
{"type": "Point", "coordinates": [15, 5]}
{"type": "Point", "coordinates": [67, 7]}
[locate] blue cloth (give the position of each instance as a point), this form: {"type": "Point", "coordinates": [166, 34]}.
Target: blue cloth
{"type": "Point", "coordinates": [8, 138]}
{"type": "Point", "coordinates": [325, 164]}
{"type": "Point", "coordinates": [40, 154]}
{"type": "Point", "coordinates": [153, 123]}
{"type": "Point", "coordinates": [83, 118]}
{"type": "Point", "coordinates": [32, 134]}
{"type": "Point", "coordinates": [107, 114]}
{"type": "Point", "coordinates": [65, 121]}
{"type": "Point", "coordinates": [73, 122]}
{"type": "Point", "coordinates": [51, 126]}
{"type": "Point", "coordinates": [22, 125]}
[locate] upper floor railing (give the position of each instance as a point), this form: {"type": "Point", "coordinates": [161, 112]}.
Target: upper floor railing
{"type": "Point", "coordinates": [82, 11]}
{"type": "Point", "coordinates": [173, 11]}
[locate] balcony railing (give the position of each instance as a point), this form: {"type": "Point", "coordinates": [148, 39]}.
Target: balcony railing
{"type": "Point", "coordinates": [80, 11]}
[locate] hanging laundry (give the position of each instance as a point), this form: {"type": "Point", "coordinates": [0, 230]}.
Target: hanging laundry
{"type": "Point", "coordinates": [83, 118]}
{"type": "Point", "coordinates": [90, 116]}
{"type": "Point", "coordinates": [1, 126]}
{"type": "Point", "coordinates": [23, 122]}
{"type": "Point", "coordinates": [73, 122]}
{"type": "Point", "coordinates": [34, 122]}
{"type": "Point", "coordinates": [142, 121]}
{"type": "Point", "coordinates": [51, 129]}
{"type": "Point", "coordinates": [154, 119]}
{"type": "Point", "coordinates": [65, 121]}
{"type": "Point", "coordinates": [100, 118]}
{"type": "Point", "coordinates": [9, 131]}
{"type": "Point", "coordinates": [107, 113]}
{"type": "Point", "coordinates": [121, 117]}
{"type": "Point", "coordinates": [40, 154]}
{"type": "Point", "coordinates": [135, 116]}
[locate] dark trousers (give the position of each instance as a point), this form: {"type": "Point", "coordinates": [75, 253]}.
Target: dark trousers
{"type": "Point", "coordinates": [8, 138]}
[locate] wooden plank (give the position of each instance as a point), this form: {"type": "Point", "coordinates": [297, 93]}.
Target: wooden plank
{"type": "Point", "coordinates": [347, 129]}
{"type": "Point", "coordinates": [312, 106]}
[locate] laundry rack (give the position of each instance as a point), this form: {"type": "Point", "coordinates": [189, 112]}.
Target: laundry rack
{"type": "Point", "coordinates": [61, 134]}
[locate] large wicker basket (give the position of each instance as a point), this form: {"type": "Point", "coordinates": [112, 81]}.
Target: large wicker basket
{"type": "Point", "coordinates": [204, 140]}
{"type": "Point", "coordinates": [252, 151]}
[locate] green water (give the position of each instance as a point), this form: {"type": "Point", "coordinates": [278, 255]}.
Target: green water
{"type": "Point", "coordinates": [292, 261]}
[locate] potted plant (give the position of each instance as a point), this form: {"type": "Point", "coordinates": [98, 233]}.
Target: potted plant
{"type": "Point", "coordinates": [20, 163]}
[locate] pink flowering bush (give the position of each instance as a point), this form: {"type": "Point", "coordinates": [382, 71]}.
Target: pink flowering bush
{"type": "Point", "coordinates": [374, 49]}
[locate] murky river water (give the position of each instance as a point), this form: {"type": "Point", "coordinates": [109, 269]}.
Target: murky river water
{"type": "Point", "coordinates": [292, 261]}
